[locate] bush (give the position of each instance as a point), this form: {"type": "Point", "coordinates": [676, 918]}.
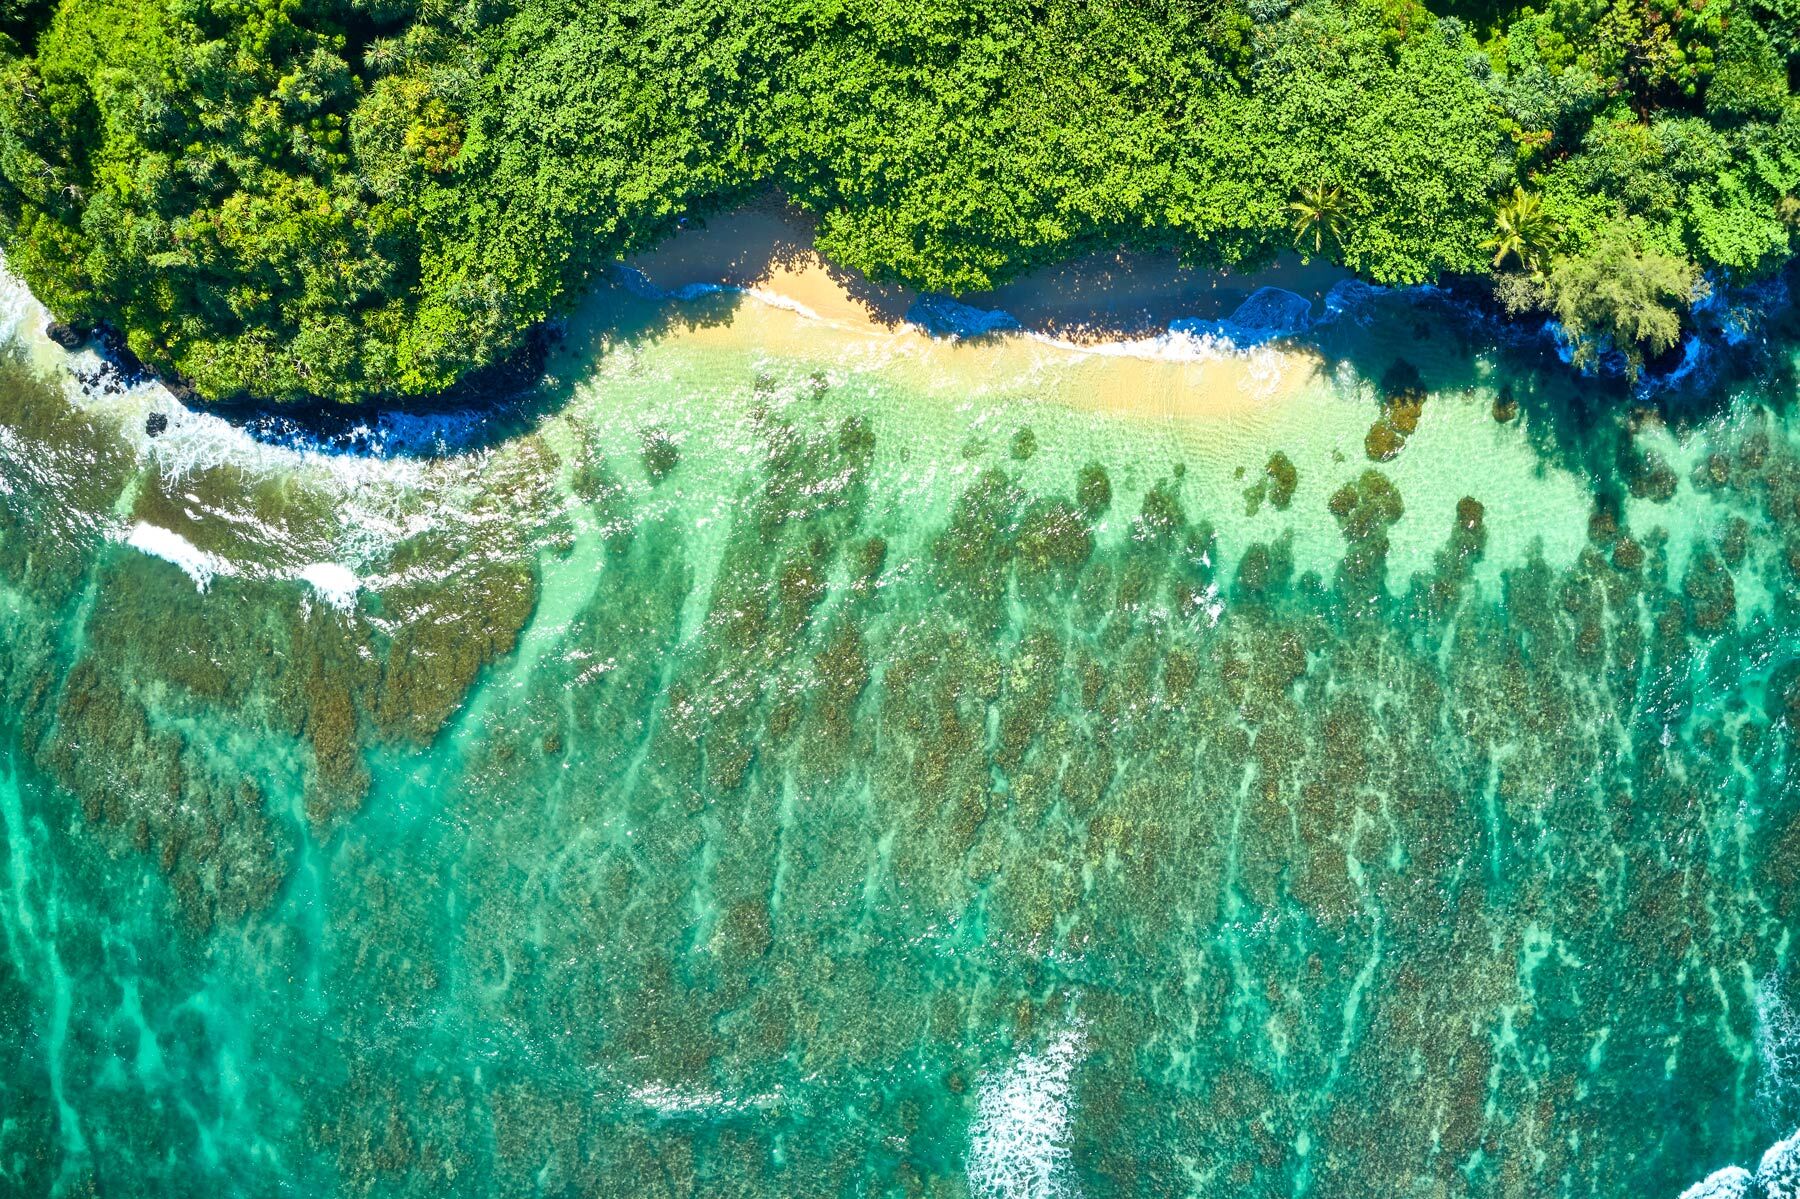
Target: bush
{"type": "Point", "coordinates": [1750, 79]}
{"type": "Point", "coordinates": [1621, 296]}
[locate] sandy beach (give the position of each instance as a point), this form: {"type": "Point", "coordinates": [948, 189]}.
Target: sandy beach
{"type": "Point", "coordinates": [1093, 332]}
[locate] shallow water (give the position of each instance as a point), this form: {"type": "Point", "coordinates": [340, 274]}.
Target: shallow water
{"type": "Point", "coordinates": [791, 767]}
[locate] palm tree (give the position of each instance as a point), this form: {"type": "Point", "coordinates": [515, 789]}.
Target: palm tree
{"type": "Point", "coordinates": [1320, 210]}
{"type": "Point", "coordinates": [385, 54]}
{"type": "Point", "coordinates": [1521, 229]}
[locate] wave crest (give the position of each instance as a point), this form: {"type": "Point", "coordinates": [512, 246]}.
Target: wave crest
{"type": "Point", "coordinates": [1018, 1146]}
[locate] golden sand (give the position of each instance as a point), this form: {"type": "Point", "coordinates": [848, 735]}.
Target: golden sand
{"type": "Point", "coordinates": [1091, 336]}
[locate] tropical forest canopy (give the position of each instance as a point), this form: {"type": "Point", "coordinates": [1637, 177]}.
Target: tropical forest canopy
{"type": "Point", "coordinates": [290, 198]}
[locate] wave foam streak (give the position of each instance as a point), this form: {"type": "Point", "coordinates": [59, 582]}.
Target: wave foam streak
{"type": "Point", "coordinates": [1018, 1145]}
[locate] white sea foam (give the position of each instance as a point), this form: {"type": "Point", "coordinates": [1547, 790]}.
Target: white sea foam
{"type": "Point", "coordinates": [170, 546]}
{"type": "Point", "coordinates": [334, 583]}
{"type": "Point", "coordinates": [1733, 1182]}
{"type": "Point", "coordinates": [1018, 1146]}
{"type": "Point", "coordinates": [1176, 345]}
{"type": "Point", "coordinates": [1778, 1174]}
{"type": "Point", "coordinates": [20, 312]}
{"type": "Point", "coordinates": [1269, 314]}
{"type": "Point", "coordinates": [1778, 1047]}
{"type": "Point", "coordinates": [696, 1101]}
{"type": "Point", "coordinates": [1777, 1100]}
{"type": "Point", "coordinates": [941, 316]}
{"type": "Point", "coordinates": [638, 284]}
{"type": "Point", "coordinates": [197, 441]}
{"type": "Point", "coordinates": [777, 300]}
{"type": "Point", "coordinates": [678, 1101]}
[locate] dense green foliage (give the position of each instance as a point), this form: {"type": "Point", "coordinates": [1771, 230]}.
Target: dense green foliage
{"type": "Point", "coordinates": [373, 197]}
{"type": "Point", "coordinates": [1622, 294]}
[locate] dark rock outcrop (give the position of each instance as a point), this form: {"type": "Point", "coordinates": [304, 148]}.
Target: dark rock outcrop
{"type": "Point", "coordinates": [66, 335]}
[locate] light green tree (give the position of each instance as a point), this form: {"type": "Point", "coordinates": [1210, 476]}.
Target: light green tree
{"type": "Point", "coordinates": [1617, 293]}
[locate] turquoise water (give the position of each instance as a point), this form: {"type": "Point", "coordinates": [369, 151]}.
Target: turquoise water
{"type": "Point", "coordinates": [782, 770]}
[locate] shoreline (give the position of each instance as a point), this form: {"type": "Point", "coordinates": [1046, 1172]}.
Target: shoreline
{"type": "Point", "coordinates": [1127, 304]}
{"type": "Point", "coordinates": [798, 315]}
{"type": "Point", "coordinates": [1127, 333]}
{"type": "Point", "coordinates": [1094, 315]}
{"type": "Point", "coordinates": [766, 249]}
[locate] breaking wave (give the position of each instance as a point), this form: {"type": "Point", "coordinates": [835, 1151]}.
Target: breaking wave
{"type": "Point", "coordinates": [1777, 1174]}
{"type": "Point", "coordinates": [1018, 1145]}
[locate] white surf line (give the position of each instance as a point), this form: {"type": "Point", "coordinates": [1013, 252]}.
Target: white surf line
{"type": "Point", "coordinates": [333, 583]}
{"type": "Point", "coordinates": [1018, 1144]}
{"type": "Point", "coordinates": [197, 564]}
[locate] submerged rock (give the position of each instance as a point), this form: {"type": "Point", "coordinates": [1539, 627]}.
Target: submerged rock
{"type": "Point", "coordinates": [1402, 403]}
{"type": "Point", "coordinates": [1652, 478]}
{"type": "Point", "coordinates": [1383, 442]}
{"type": "Point", "coordinates": [1506, 405]}
{"type": "Point", "coordinates": [1283, 479]}
{"type": "Point", "coordinates": [1469, 513]}
{"type": "Point", "coordinates": [1272, 312]}
{"type": "Point", "coordinates": [1093, 489]}
{"type": "Point", "coordinates": [942, 316]}
{"type": "Point", "coordinates": [1276, 485]}
{"type": "Point", "coordinates": [661, 455]}
{"type": "Point", "coordinates": [1024, 445]}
